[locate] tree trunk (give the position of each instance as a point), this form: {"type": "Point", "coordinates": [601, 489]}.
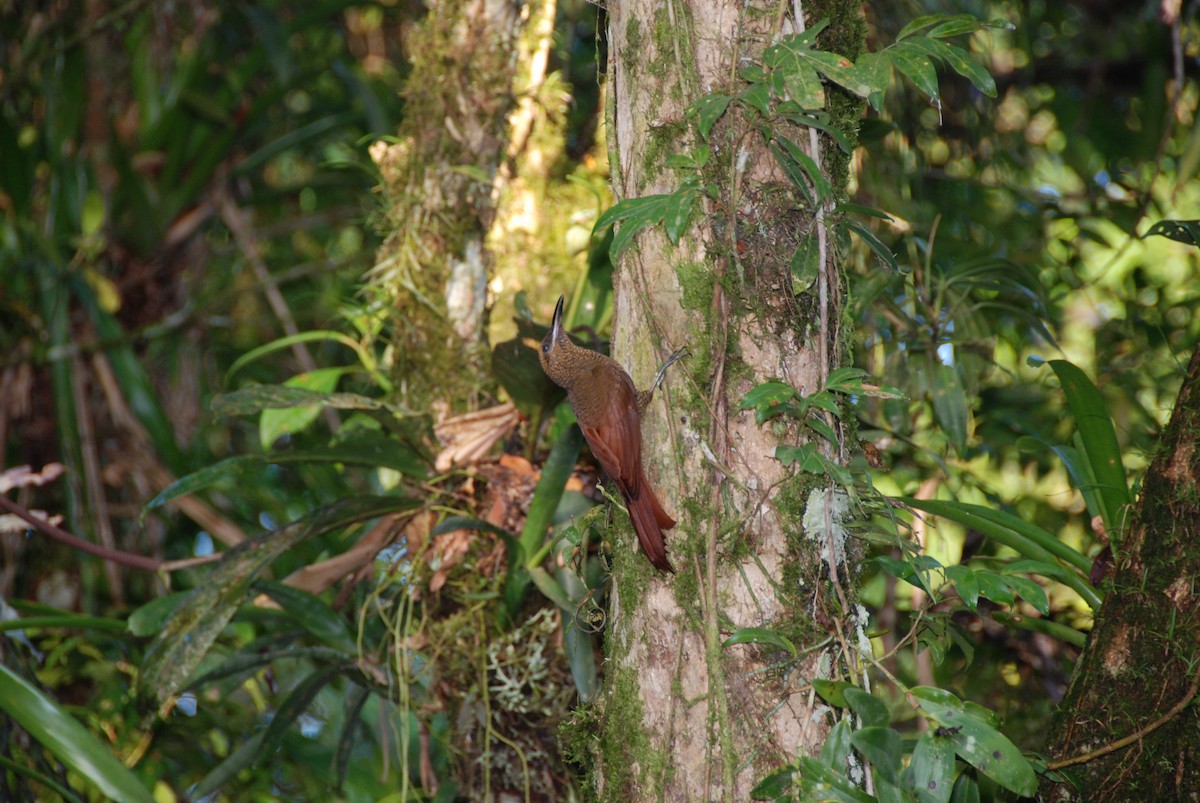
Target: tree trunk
{"type": "Point", "coordinates": [681, 717]}
{"type": "Point", "coordinates": [1125, 730]}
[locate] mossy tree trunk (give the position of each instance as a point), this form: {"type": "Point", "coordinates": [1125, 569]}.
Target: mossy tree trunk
{"type": "Point", "coordinates": [446, 177]}
{"type": "Point", "coordinates": [1128, 728]}
{"type": "Point", "coordinates": [681, 717]}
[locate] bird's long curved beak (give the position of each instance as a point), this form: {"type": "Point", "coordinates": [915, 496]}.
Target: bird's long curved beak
{"type": "Point", "coordinates": [556, 324]}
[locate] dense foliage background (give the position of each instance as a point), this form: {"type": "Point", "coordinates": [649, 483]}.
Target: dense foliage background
{"type": "Point", "coordinates": [196, 246]}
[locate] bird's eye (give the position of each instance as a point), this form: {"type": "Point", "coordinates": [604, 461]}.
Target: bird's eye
{"type": "Point", "coordinates": [545, 347]}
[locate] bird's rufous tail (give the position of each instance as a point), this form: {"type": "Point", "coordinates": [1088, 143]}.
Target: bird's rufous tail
{"type": "Point", "coordinates": [649, 520]}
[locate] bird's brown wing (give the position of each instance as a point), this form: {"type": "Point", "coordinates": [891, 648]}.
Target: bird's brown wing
{"type": "Point", "coordinates": [617, 441]}
{"type": "Point", "coordinates": [617, 445]}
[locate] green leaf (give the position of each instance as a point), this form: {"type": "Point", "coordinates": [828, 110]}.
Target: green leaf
{"type": "Point", "coordinates": [1181, 231]}
{"type": "Point", "coordinates": [837, 745]}
{"type": "Point", "coordinates": [70, 742]}
{"type": "Point", "coordinates": [976, 742]}
{"type": "Point", "coordinates": [768, 394]}
{"type": "Point", "coordinates": [806, 457]}
{"type": "Point", "coordinates": [204, 478]}
{"type": "Point", "coordinates": [875, 244]}
{"type": "Point", "coordinates": [311, 613]}
{"type": "Point", "coordinates": [197, 622]}
{"type": "Point", "coordinates": [958, 60]}
{"type": "Point", "coordinates": [920, 24]}
{"type": "Point", "coordinates": [1099, 439]}
{"type": "Point", "coordinates": [804, 86]}
{"type": "Point", "coordinates": [994, 587]}
{"type": "Point", "coordinates": [1031, 592]}
{"type": "Point", "coordinates": [965, 583]}
{"type": "Point", "coordinates": [833, 691]}
{"type": "Point", "coordinates": [930, 772]}
{"type": "Point", "coordinates": [760, 635]}
{"type": "Point", "coordinates": [806, 263]}
{"type": "Point", "coordinates": [806, 163]}
{"type": "Point", "coordinates": [880, 746]}
{"type": "Point", "coordinates": [708, 110]}
{"type": "Point", "coordinates": [275, 423]}
{"type": "Point", "coordinates": [634, 214]}
{"type": "Point", "coordinates": [840, 70]}
{"type": "Point", "coordinates": [255, 398]}
{"type": "Point", "coordinates": [819, 783]}
{"type": "Point", "coordinates": [872, 710]}
{"type": "Point", "coordinates": [956, 26]}
{"type": "Point", "coordinates": [757, 96]}
{"type": "Point", "coordinates": [150, 618]}
{"type": "Point", "coordinates": [774, 785]}
{"type": "Point", "coordinates": [915, 63]}
{"type": "Point", "coordinates": [950, 400]}
{"type": "Point", "coordinates": [316, 336]}
{"type": "Point", "coordinates": [295, 704]}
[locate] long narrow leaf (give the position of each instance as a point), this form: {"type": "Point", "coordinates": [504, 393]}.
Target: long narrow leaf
{"type": "Point", "coordinates": [1028, 540]}
{"type": "Point", "coordinates": [1099, 439]}
{"type": "Point", "coordinates": [62, 735]}
{"type": "Point", "coordinates": [197, 622]}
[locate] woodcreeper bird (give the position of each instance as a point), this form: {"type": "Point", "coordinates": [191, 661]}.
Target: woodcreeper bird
{"type": "Point", "coordinates": [609, 409]}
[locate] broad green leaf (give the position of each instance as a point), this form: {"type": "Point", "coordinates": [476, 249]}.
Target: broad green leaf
{"type": "Point", "coordinates": [678, 213]}
{"type": "Point", "coordinates": [994, 587]}
{"type": "Point", "coordinates": [150, 618]}
{"type": "Point", "coordinates": [275, 423]}
{"type": "Point", "coordinates": [806, 457]}
{"type": "Point", "coordinates": [774, 785]}
{"type": "Point", "coordinates": [840, 70]}
{"type": "Point", "coordinates": [930, 772]}
{"type": "Point", "coordinates": [977, 742]}
{"type": "Point", "coordinates": [958, 60]}
{"type": "Point", "coordinates": [760, 635]}
{"type": "Point", "coordinates": [950, 400]}
{"type": "Point", "coordinates": [872, 710]}
{"type": "Point", "coordinates": [708, 110]}
{"type": "Point", "coordinates": [833, 691]}
{"type": "Point", "coordinates": [1031, 592]}
{"type": "Point", "coordinates": [880, 746]}
{"type": "Point", "coordinates": [837, 745]}
{"type": "Point", "coordinates": [70, 742]}
{"type": "Point", "coordinates": [965, 584]}
{"type": "Point", "coordinates": [915, 63]}
{"type": "Point", "coordinates": [804, 86]}
{"type": "Point", "coordinates": [311, 613]}
{"type": "Point", "coordinates": [1099, 439]}
{"type": "Point", "coordinates": [757, 96]}
{"type": "Point", "coordinates": [806, 263]}
{"type": "Point", "coordinates": [1181, 231]}
{"type": "Point", "coordinates": [546, 496]}
{"type": "Point", "coordinates": [966, 789]}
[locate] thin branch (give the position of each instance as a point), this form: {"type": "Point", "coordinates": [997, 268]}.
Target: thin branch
{"type": "Point", "coordinates": [1136, 736]}
{"type": "Point", "coordinates": [59, 534]}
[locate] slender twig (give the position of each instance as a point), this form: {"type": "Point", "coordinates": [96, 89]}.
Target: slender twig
{"type": "Point", "coordinates": [1136, 736]}
{"type": "Point", "coordinates": [59, 534]}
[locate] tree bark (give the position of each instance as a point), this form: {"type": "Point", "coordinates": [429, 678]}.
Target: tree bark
{"type": "Point", "coordinates": [681, 717]}
{"type": "Point", "coordinates": [1127, 729]}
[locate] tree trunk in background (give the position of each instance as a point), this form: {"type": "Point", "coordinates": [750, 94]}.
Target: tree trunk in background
{"type": "Point", "coordinates": [445, 176]}
{"type": "Point", "coordinates": [680, 717]}
{"type": "Point", "coordinates": [1141, 666]}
